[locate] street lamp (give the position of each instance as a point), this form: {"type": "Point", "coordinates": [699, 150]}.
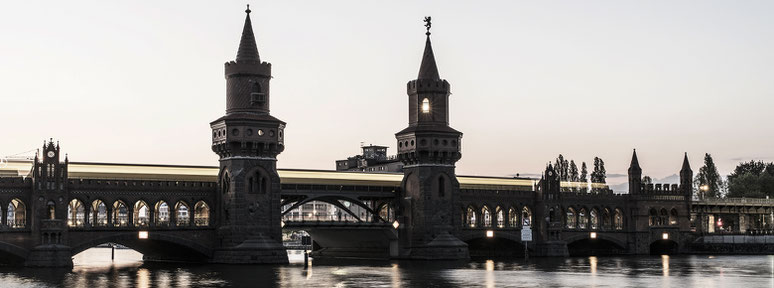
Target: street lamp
{"type": "Point", "coordinates": [703, 189]}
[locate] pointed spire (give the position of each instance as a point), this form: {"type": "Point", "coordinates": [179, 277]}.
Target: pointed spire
{"type": "Point", "coordinates": [248, 50]}
{"type": "Point", "coordinates": [428, 69]}
{"type": "Point", "coordinates": [635, 163]}
{"type": "Point", "coordinates": [686, 165]}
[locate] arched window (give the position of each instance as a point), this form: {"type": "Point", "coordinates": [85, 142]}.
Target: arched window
{"type": "Point", "coordinates": [51, 210]}
{"type": "Point", "coordinates": [594, 219]}
{"type": "Point", "coordinates": [76, 214]}
{"type": "Point", "coordinates": [526, 216]}
{"type": "Point", "coordinates": [201, 214]}
{"type": "Point", "coordinates": [425, 106]}
{"type": "Point", "coordinates": [673, 217]}
{"type": "Point", "coordinates": [120, 214]}
{"type": "Point", "coordinates": [162, 214]}
{"type": "Point", "coordinates": [256, 95]}
{"type": "Point", "coordinates": [571, 218]}
{"type": "Point", "coordinates": [652, 217]}
{"type": "Point", "coordinates": [141, 216]}
{"type": "Point", "coordinates": [471, 217]}
{"type": "Point", "coordinates": [500, 217]}
{"type": "Point", "coordinates": [663, 218]}
{"type": "Point", "coordinates": [17, 214]}
{"type": "Point", "coordinates": [513, 218]}
{"type": "Point", "coordinates": [582, 219]}
{"type": "Point", "coordinates": [99, 214]}
{"type": "Point", "coordinates": [441, 187]}
{"type": "Point", "coordinates": [181, 214]}
{"type": "Point", "coordinates": [606, 221]}
{"type": "Point", "coordinates": [486, 216]}
{"type": "Point", "coordinates": [618, 219]}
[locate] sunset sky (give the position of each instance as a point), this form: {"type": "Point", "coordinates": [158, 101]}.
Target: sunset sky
{"type": "Point", "coordinates": [139, 81]}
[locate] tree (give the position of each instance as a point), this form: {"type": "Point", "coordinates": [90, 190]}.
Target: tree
{"type": "Point", "coordinates": [599, 173]}
{"type": "Point", "coordinates": [583, 174]}
{"type": "Point", "coordinates": [708, 179]}
{"type": "Point", "coordinates": [562, 168]}
{"type": "Point", "coordinates": [573, 174]}
{"type": "Point", "coordinates": [751, 179]}
{"type": "Point", "coordinates": [647, 180]}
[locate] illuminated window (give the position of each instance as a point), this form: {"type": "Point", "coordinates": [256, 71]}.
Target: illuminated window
{"type": "Point", "coordinates": [425, 106]}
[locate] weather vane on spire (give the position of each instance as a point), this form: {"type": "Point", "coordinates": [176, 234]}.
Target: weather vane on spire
{"type": "Point", "coordinates": [248, 9]}
{"type": "Point", "coordinates": [428, 24]}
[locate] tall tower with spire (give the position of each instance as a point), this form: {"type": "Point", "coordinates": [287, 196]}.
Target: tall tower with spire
{"type": "Point", "coordinates": [247, 140]}
{"type": "Point", "coordinates": [429, 149]}
{"type": "Point", "coordinates": [635, 175]}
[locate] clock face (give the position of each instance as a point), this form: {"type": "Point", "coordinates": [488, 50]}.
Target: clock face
{"type": "Point", "coordinates": [550, 173]}
{"type": "Point", "coordinates": [51, 154]}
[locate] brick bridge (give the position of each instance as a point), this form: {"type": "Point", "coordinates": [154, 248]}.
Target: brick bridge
{"type": "Point", "coordinates": [236, 212]}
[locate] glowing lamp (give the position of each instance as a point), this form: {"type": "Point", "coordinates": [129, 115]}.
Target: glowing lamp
{"type": "Point", "coordinates": [489, 233]}
{"type": "Point", "coordinates": [142, 235]}
{"type": "Point", "coordinates": [593, 235]}
{"type": "Point", "coordinates": [395, 224]}
{"type": "Point", "coordinates": [665, 236]}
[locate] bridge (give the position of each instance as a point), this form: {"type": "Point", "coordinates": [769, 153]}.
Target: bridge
{"type": "Point", "coordinates": [238, 211]}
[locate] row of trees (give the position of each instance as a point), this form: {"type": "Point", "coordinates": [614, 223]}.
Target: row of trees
{"type": "Point", "coordinates": [754, 179]}
{"type": "Point", "coordinates": [568, 171]}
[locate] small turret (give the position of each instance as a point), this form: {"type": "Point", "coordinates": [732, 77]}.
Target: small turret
{"type": "Point", "coordinates": [686, 177]}
{"type": "Point", "coordinates": [635, 174]}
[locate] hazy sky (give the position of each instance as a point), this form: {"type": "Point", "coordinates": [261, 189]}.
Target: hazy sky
{"type": "Point", "coordinates": [139, 81]}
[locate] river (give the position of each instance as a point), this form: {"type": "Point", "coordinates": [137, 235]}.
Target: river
{"type": "Point", "coordinates": [93, 268]}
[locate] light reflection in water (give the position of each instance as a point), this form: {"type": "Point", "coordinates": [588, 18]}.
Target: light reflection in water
{"type": "Point", "coordinates": [665, 265]}
{"type": "Point", "coordinates": [143, 278]}
{"type": "Point", "coordinates": [490, 277]}
{"type": "Point", "coordinates": [593, 264]}
{"type": "Point", "coordinates": [395, 276]}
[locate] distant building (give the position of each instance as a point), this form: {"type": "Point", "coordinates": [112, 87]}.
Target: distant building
{"type": "Point", "coordinates": [373, 159]}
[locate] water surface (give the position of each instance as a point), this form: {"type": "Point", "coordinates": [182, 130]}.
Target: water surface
{"type": "Point", "coordinates": [93, 268]}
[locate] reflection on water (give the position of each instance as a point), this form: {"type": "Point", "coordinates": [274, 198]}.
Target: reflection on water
{"type": "Point", "coordinates": [93, 268]}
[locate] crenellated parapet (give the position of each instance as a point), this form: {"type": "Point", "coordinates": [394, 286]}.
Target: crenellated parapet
{"type": "Point", "coordinates": [659, 188]}
{"type": "Point", "coordinates": [419, 86]}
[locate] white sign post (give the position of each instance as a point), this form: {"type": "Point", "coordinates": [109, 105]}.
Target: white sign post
{"type": "Point", "coordinates": [526, 236]}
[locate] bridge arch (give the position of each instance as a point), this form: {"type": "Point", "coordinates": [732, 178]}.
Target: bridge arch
{"type": "Point", "coordinates": [182, 213]}
{"type": "Point", "coordinates": [162, 213]}
{"type": "Point", "coordinates": [335, 200]}
{"type": "Point", "coordinates": [76, 213]}
{"type": "Point", "coordinates": [12, 254]}
{"type": "Point", "coordinates": [141, 214]}
{"type": "Point", "coordinates": [16, 214]}
{"type": "Point", "coordinates": [603, 244]}
{"type": "Point", "coordinates": [157, 246]}
{"type": "Point", "coordinates": [99, 213]}
{"type": "Point", "coordinates": [120, 214]}
{"type": "Point", "coordinates": [664, 246]}
{"type": "Point", "coordinates": [201, 213]}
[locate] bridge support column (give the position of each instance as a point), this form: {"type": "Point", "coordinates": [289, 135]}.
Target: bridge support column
{"type": "Point", "coordinates": [257, 250]}
{"type": "Point", "coordinates": [555, 248]}
{"type": "Point", "coordinates": [52, 255]}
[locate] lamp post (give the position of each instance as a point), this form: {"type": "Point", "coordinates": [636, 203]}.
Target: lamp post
{"type": "Point", "coordinates": [703, 189]}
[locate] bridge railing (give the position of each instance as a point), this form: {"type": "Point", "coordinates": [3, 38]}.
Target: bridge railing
{"type": "Point", "coordinates": [723, 201]}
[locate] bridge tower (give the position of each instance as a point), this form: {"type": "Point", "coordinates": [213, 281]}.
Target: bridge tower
{"type": "Point", "coordinates": [635, 175]}
{"type": "Point", "coordinates": [248, 139]}
{"type": "Point", "coordinates": [429, 149]}
{"type": "Point", "coordinates": [49, 209]}
{"type": "Point", "coordinates": [548, 216]}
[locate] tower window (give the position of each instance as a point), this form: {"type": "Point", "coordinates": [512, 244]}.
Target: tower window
{"type": "Point", "coordinates": [425, 106]}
